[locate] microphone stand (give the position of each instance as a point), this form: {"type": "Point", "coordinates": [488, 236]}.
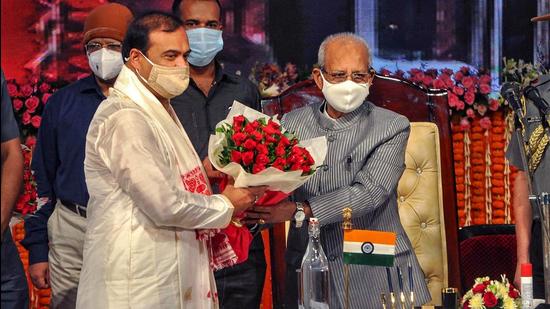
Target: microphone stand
{"type": "Point", "coordinates": [539, 201]}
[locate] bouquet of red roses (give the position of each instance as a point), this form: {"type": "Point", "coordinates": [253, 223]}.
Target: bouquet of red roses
{"type": "Point", "coordinates": [255, 150]}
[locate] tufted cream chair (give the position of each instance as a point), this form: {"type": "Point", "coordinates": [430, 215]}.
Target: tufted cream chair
{"type": "Point", "coordinates": [418, 191]}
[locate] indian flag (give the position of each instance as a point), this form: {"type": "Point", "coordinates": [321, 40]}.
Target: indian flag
{"type": "Point", "coordinates": [366, 247]}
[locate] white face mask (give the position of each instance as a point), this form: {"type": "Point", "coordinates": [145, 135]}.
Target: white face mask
{"type": "Point", "coordinates": [345, 97]}
{"type": "Point", "coordinates": [105, 63]}
{"type": "Point", "coordinates": [169, 82]}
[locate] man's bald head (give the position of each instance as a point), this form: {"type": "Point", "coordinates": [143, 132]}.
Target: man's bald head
{"type": "Point", "coordinates": [344, 43]}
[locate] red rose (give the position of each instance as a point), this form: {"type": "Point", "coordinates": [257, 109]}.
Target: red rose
{"type": "Point", "coordinates": [26, 90]}
{"type": "Point", "coordinates": [459, 76]}
{"type": "Point", "coordinates": [465, 69]}
{"type": "Point", "coordinates": [481, 109]}
{"type": "Point", "coordinates": [478, 288]}
{"type": "Point", "coordinates": [485, 79]}
{"type": "Point", "coordinates": [45, 97]}
{"type": "Point", "coordinates": [469, 97]}
{"type": "Point", "coordinates": [284, 141]}
{"type": "Point", "coordinates": [385, 72]}
{"type": "Point", "coordinates": [309, 158]}
{"type": "Point", "coordinates": [17, 104]}
{"type": "Point", "coordinates": [238, 138]}
{"type": "Point", "coordinates": [298, 150]}
{"type": "Point", "coordinates": [31, 141]}
{"type": "Point", "coordinates": [250, 144]}
{"type": "Point", "coordinates": [466, 305]}
{"type": "Point", "coordinates": [458, 90]}
{"type": "Point", "coordinates": [32, 103]}
{"type": "Point", "coordinates": [306, 168]}
{"type": "Point", "coordinates": [460, 105]}
{"type": "Point", "coordinates": [262, 148]}
{"type": "Point", "coordinates": [296, 159]}
{"type": "Point", "coordinates": [239, 119]}
{"type": "Point", "coordinates": [513, 293]}
{"type": "Point", "coordinates": [484, 89]}
{"type": "Point", "coordinates": [35, 120]}
{"type": "Point", "coordinates": [44, 87]}
{"type": "Point", "coordinates": [494, 104]}
{"type": "Point", "coordinates": [270, 139]}
{"type": "Point", "coordinates": [280, 151]}
{"type": "Point", "coordinates": [249, 128]}
{"type": "Point", "coordinates": [439, 84]}
{"type": "Point", "coordinates": [257, 168]}
{"type": "Point", "coordinates": [279, 163]}
{"type": "Point", "coordinates": [453, 99]}
{"type": "Point", "coordinates": [490, 300]}
{"type": "Point", "coordinates": [270, 130]}
{"type": "Point", "coordinates": [427, 80]}
{"type": "Point", "coordinates": [236, 156]}
{"type": "Point", "coordinates": [12, 90]}
{"type": "Point", "coordinates": [467, 82]}
{"type": "Point", "coordinates": [296, 166]}
{"type": "Point", "coordinates": [487, 282]}
{"type": "Point", "coordinates": [256, 135]}
{"type": "Point", "coordinates": [26, 118]}
{"type": "Point", "coordinates": [262, 159]}
{"type": "Point", "coordinates": [255, 124]}
{"type": "Point", "coordinates": [247, 157]}
{"type": "Point", "coordinates": [273, 124]}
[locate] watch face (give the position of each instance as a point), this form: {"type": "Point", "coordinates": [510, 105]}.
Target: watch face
{"type": "Point", "coordinates": [300, 216]}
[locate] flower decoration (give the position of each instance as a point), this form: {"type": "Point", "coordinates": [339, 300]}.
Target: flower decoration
{"type": "Point", "coordinates": [28, 200]}
{"type": "Point", "coordinates": [28, 99]}
{"type": "Point", "coordinates": [487, 293]}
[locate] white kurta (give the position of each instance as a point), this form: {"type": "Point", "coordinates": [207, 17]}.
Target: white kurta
{"type": "Point", "coordinates": [141, 249]}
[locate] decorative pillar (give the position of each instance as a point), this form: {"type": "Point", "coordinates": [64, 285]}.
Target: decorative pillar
{"type": "Point", "coordinates": [496, 43]}
{"type": "Point", "coordinates": [366, 22]}
{"type": "Point", "coordinates": [478, 32]}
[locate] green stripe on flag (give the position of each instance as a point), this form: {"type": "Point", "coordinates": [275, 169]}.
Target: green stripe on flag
{"type": "Point", "coordinates": [368, 259]}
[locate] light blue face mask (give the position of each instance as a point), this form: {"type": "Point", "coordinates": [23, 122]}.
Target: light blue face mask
{"type": "Point", "coordinates": [205, 44]}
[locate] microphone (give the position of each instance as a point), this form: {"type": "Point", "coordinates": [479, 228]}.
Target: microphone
{"type": "Point", "coordinates": [510, 92]}
{"type": "Point", "coordinates": [533, 94]}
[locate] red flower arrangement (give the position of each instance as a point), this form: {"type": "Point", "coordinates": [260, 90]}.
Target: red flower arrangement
{"type": "Point", "coordinates": [488, 293]}
{"type": "Point", "coordinates": [28, 200]}
{"type": "Point", "coordinates": [260, 144]}
{"type": "Point", "coordinates": [469, 92]}
{"type": "Point", "coordinates": [28, 101]}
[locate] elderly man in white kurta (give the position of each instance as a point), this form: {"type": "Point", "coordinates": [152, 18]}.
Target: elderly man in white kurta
{"type": "Point", "coordinates": [147, 244]}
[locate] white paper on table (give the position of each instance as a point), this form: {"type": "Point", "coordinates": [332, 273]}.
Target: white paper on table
{"type": "Point", "coordinates": [275, 179]}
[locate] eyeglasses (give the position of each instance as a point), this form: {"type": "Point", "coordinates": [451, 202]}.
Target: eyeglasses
{"type": "Point", "coordinates": [340, 76]}
{"type": "Point", "coordinates": [94, 46]}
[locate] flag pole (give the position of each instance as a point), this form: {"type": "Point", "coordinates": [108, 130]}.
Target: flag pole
{"type": "Point", "coordinates": [347, 225]}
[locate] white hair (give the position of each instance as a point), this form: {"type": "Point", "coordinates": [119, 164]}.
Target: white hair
{"type": "Point", "coordinates": [343, 36]}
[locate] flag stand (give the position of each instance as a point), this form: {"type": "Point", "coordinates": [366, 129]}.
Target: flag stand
{"type": "Point", "coordinates": [347, 225]}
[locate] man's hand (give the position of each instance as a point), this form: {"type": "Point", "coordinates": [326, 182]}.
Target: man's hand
{"type": "Point", "coordinates": [243, 198]}
{"type": "Point", "coordinates": [281, 212]}
{"type": "Point", "coordinates": [211, 172]}
{"type": "Point", "coordinates": [40, 275]}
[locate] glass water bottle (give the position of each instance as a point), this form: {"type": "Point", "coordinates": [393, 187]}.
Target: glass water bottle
{"type": "Point", "coordinates": [315, 284]}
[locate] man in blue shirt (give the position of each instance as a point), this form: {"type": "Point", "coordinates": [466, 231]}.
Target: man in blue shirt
{"type": "Point", "coordinates": [14, 283]}
{"type": "Point", "coordinates": [206, 102]}
{"type": "Point", "coordinates": [58, 160]}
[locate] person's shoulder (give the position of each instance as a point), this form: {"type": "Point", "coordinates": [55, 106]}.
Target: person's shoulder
{"type": "Point", "coordinates": [68, 92]}
{"type": "Point", "coordinates": [301, 115]}
{"type": "Point", "coordinates": [387, 117]}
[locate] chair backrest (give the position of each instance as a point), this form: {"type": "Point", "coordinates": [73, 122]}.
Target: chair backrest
{"type": "Point", "coordinates": [481, 246]}
{"type": "Point", "coordinates": [425, 228]}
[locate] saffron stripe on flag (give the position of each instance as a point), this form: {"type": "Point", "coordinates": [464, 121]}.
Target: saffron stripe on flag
{"type": "Point", "coordinates": [369, 259]}
{"type": "Point", "coordinates": [376, 237]}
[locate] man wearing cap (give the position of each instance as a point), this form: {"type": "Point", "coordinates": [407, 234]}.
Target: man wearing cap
{"type": "Point", "coordinates": [528, 221]}
{"type": "Point", "coordinates": [55, 233]}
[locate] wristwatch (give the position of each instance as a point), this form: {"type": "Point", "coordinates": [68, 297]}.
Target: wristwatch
{"type": "Point", "coordinates": [299, 215]}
